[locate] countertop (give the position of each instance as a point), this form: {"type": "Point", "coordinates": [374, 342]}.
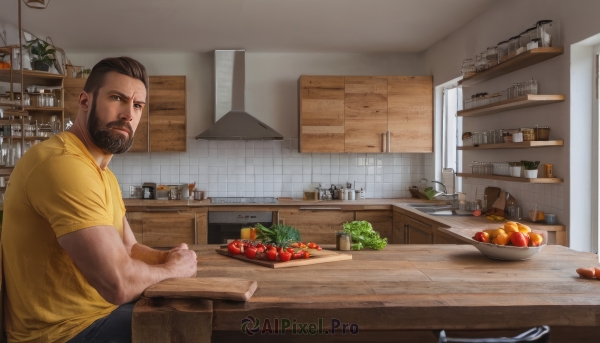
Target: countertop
{"type": "Point", "coordinates": [404, 287]}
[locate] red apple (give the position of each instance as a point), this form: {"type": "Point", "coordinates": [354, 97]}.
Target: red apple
{"type": "Point", "coordinates": [518, 239]}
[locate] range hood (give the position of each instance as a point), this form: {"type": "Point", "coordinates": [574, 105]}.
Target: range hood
{"type": "Point", "coordinates": [232, 122]}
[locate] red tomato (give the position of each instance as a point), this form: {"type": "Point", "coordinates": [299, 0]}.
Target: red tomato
{"type": "Point", "coordinates": [297, 255]}
{"type": "Point", "coordinates": [312, 245]}
{"type": "Point", "coordinates": [284, 256]}
{"type": "Point", "coordinates": [260, 245]}
{"type": "Point", "coordinates": [290, 250]}
{"type": "Point", "coordinates": [260, 249]}
{"type": "Point", "coordinates": [250, 252]}
{"type": "Point", "coordinates": [234, 248]}
{"type": "Point", "coordinates": [306, 254]}
{"type": "Point", "coordinates": [271, 254]}
{"type": "Point", "coordinates": [482, 237]}
{"type": "Point", "coordinates": [272, 248]}
{"type": "Point", "coordinates": [280, 249]}
{"type": "Point", "coordinates": [319, 248]}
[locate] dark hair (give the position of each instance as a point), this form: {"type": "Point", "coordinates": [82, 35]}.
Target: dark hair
{"type": "Point", "coordinates": [122, 65]}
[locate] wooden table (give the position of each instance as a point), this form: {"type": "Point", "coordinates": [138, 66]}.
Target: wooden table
{"type": "Point", "coordinates": [403, 293]}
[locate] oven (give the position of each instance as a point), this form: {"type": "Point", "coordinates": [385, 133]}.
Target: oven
{"type": "Point", "coordinates": [227, 225]}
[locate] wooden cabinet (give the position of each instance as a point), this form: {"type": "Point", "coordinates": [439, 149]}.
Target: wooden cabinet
{"type": "Point", "coordinates": [410, 113]}
{"type": "Point", "coordinates": [316, 225]}
{"type": "Point", "coordinates": [321, 107]}
{"type": "Point", "coordinates": [365, 113]}
{"type": "Point", "coordinates": [414, 229]}
{"type": "Point", "coordinates": [162, 126]}
{"type": "Point", "coordinates": [162, 227]}
{"type": "Point", "coordinates": [381, 221]}
{"type": "Point", "coordinates": [354, 113]}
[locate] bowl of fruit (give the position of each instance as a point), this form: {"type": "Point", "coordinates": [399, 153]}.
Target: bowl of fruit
{"type": "Point", "coordinates": [512, 242]}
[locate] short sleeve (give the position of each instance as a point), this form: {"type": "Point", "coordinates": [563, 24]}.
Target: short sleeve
{"type": "Point", "coordinates": [70, 193]}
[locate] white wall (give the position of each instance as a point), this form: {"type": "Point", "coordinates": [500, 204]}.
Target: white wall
{"type": "Point", "coordinates": [505, 19]}
{"type": "Point", "coordinates": [267, 168]}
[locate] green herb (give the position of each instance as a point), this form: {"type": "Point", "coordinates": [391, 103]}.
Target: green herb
{"type": "Point", "coordinates": [530, 165]}
{"type": "Point", "coordinates": [362, 233]}
{"type": "Point", "coordinates": [515, 164]}
{"type": "Point", "coordinates": [40, 52]}
{"type": "Point", "coordinates": [278, 234]}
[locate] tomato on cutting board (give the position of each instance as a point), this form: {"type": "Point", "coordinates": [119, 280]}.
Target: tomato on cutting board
{"type": "Point", "coordinates": [235, 248]}
{"type": "Point", "coordinates": [285, 256]}
{"type": "Point", "coordinates": [250, 252]}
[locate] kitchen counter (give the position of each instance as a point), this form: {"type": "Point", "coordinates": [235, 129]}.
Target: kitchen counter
{"type": "Point", "coordinates": [411, 288]}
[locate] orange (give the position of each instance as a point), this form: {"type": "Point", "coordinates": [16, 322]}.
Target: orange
{"type": "Point", "coordinates": [535, 239]}
{"type": "Point", "coordinates": [497, 232]}
{"type": "Point", "coordinates": [523, 228]}
{"type": "Point", "coordinates": [501, 239]}
{"type": "Point", "coordinates": [489, 231]}
{"type": "Point", "coordinates": [511, 227]}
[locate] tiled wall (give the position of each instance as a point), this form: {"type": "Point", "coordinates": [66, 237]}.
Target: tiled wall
{"type": "Point", "coordinates": [271, 169]}
{"type": "Point", "coordinates": [548, 197]}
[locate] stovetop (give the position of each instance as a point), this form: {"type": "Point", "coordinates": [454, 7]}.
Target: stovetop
{"type": "Point", "coordinates": [233, 200]}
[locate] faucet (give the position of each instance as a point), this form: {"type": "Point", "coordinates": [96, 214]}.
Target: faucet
{"type": "Point", "coordinates": [441, 183]}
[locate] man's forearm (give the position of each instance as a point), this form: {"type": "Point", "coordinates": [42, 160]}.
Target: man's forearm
{"type": "Point", "coordinates": [148, 255]}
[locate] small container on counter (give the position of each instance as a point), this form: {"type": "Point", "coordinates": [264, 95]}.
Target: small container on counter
{"type": "Point", "coordinates": [550, 218]}
{"type": "Point", "coordinates": [502, 49]}
{"type": "Point", "coordinates": [343, 241]}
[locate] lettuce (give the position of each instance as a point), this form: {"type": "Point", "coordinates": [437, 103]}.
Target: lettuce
{"type": "Point", "coordinates": [363, 235]}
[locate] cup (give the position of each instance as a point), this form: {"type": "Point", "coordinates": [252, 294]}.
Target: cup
{"type": "Point", "coordinates": [517, 137]}
{"type": "Point", "coordinates": [550, 218]}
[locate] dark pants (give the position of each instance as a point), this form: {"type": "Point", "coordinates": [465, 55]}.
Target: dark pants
{"type": "Point", "coordinates": [114, 328]}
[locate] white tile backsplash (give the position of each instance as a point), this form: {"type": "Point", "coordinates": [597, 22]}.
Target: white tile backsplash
{"type": "Point", "coordinates": [275, 168]}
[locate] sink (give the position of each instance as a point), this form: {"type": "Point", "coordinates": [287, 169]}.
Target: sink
{"type": "Point", "coordinates": [439, 210]}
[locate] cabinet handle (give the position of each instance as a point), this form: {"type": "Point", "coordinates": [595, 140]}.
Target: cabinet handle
{"type": "Point", "coordinates": [195, 229]}
{"type": "Point", "coordinates": [389, 141]}
{"type": "Point", "coordinates": [150, 209]}
{"type": "Point", "coordinates": [419, 222]}
{"type": "Point", "coordinates": [320, 208]}
{"type": "Point", "coordinates": [383, 142]}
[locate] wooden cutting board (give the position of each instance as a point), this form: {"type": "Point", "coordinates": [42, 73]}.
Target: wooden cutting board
{"type": "Point", "coordinates": [492, 195]}
{"type": "Point", "coordinates": [204, 287]}
{"type": "Point", "coordinates": [316, 257]}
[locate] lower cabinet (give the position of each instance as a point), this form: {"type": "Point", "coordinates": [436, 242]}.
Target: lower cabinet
{"type": "Point", "coordinates": [381, 220]}
{"type": "Point", "coordinates": [314, 224]}
{"type": "Point", "coordinates": [417, 230]}
{"type": "Point", "coordinates": [169, 226]}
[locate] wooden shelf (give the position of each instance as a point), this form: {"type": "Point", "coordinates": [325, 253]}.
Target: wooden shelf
{"type": "Point", "coordinates": [40, 78]}
{"type": "Point", "coordinates": [510, 178]}
{"type": "Point", "coordinates": [6, 170]}
{"type": "Point", "coordinates": [519, 145]}
{"type": "Point", "coordinates": [529, 100]}
{"type": "Point", "coordinates": [521, 61]}
{"type": "Point", "coordinates": [40, 109]}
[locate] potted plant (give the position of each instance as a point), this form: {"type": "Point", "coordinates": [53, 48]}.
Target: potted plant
{"type": "Point", "coordinates": [42, 54]}
{"type": "Point", "coordinates": [515, 169]}
{"type": "Point", "coordinates": [530, 169]}
{"type": "Point", "coordinates": [86, 73]}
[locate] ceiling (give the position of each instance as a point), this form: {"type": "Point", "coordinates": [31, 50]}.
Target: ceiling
{"type": "Point", "coordinates": [255, 25]}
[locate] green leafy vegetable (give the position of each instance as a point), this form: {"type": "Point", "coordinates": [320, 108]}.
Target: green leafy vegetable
{"type": "Point", "coordinates": [278, 234]}
{"type": "Point", "coordinates": [362, 233]}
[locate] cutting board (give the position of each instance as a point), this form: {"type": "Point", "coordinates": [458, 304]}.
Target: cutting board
{"type": "Point", "coordinates": [204, 287]}
{"type": "Point", "coordinates": [316, 257]}
{"type": "Point", "coordinates": [492, 194]}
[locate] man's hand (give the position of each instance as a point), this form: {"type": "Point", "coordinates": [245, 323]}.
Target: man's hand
{"type": "Point", "coordinates": [183, 260]}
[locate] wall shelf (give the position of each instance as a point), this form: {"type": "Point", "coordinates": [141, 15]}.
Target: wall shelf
{"type": "Point", "coordinates": [519, 145]}
{"type": "Point", "coordinates": [40, 109]}
{"type": "Point", "coordinates": [511, 179]}
{"type": "Point", "coordinates": [529, 100]}
{"type": "Point", "coordinates": [36, 77]}
{"type": "Point", "coordinates": [521, 61]}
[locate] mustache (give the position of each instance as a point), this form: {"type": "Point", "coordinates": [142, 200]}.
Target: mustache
{"type": "Point", "coordinates": [119, 124]}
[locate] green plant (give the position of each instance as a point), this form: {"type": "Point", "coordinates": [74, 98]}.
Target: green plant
{"type": "Point", "coordinates": [515, 164]}
{"type": "Point", "coordinates": [87, 71]}
{"type": "Point", "coordinates": [530, 165]}
{"type": "Point", "coordinates": [40, 51]}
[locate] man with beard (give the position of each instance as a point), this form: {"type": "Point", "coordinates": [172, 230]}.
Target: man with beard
{"type": "Point", "coordinates": [72, 266]}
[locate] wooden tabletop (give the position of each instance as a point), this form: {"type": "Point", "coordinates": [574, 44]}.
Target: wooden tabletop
{"type": "Point", "coordinates": [415, 287]}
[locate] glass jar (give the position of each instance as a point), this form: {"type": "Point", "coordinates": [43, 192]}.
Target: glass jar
{"type": "Point", "coordinates": [476, 138]}
{"type": "Point", "coordinates": [532, 87]}
{"type": "Point", "coordinates": [492, 137]}
{"type": "Point", "coordinates": [484, 137]}
{"type": "Point", "coordinates": [492, 56]}
{"type": "Point", "coordinates": [468, 68]}
{"type": "Point", "coordinates": [542, 133]}
{"type": "Point", "coordinates": [533, 44]}
{"type": "Point", "coordinates": [531, 34]}
{"type": "Point", "coordinates": [484, 62]}
{"type": "Point", "coordinates": [513, 46]}
{"type": "Point", "coordinates": [545, 31]}
{"type": "Point", "coordinates": [528, 134]}
{"type": "Point", "coordinates": [502, 49]}
{"type": "Point", "coordinates": [523, 40]}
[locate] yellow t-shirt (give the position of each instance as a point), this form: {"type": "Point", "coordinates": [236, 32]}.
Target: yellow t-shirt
{"type": "Point", "coordinates": [56, 188]}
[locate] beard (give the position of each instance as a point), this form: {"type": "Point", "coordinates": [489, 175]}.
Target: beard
{"type": "Point", "coordinates": [105, 138]}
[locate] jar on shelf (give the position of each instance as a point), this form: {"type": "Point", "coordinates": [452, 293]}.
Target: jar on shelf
{"type": "Point", "coordinates": [532, 87]}
{"type": "Point", "coordinates": [545, 31]}
{"type": "Point", "coordinates": [468, 68]}
{"type": "Point", "coordinates": [502, 49]}
{"type": "Point", "coordinates": [492, 56]}
{"type": "Point", "coordinates": [542, 133]}
{"type": "Point", "coordinates": [492, 137]}
{"type": "Point", "coordinates": [483, 65]}
{"type": "Point", "coordinates": [531, 34]}
{"type": "Point", "coordinates": [513, 46]}
{"type": "Point", "coordinates": [523, 40]}
{"type": "Point", "coordinates": [528, 134]}
{"type": "Point", "coordinates": [533, 44]}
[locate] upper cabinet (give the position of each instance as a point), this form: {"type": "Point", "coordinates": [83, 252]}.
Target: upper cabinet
{"type": "Point", "coordinates": [162, 126]}
{"type": "Point", "coordinates": [369, 114]}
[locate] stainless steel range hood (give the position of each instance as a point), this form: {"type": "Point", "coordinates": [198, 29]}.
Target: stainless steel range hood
{"type": "Point", "coordinates": [232, 122]}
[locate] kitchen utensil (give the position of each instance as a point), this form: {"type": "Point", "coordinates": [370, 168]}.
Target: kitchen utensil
{"type": "Point", "coordinates": [198, 195]}
{"type": "Point", "coordinates": [205, 287]}
{"type": "Point", "coordinates": [149, 190]}
{"type": "Point", "coordinates": [316, 257]}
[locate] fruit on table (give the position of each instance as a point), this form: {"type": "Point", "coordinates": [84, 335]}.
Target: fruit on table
{"type": "Point", "coordinates": [482, 237]}
{"type": "Point", "coordinates": [501, 239]}
{"type": "Point", "coordinates": [250, 252]}
{"type": "Point", "coordinates": [497, 232]}
{"type": "Point", "coordinates": [518, 239]}
{"type": "Point", "coordinates": [587, 272]}
{"type": "Point", "coordinates": [284, 256]}
{"type": "Point", "coordinates": [489, 231]}
{"type": "Point", "coordinates": [535, 239]}
{"type": "Point", "coordinates": [523, 228]}
{"type": "Point", "coordinates": [235, 248]}
{"type": "Point", "coordinates": [511, 227]}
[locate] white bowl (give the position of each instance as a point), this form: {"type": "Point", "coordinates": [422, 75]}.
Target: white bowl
{"type": "Point", "coordinates": [504, 252]}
